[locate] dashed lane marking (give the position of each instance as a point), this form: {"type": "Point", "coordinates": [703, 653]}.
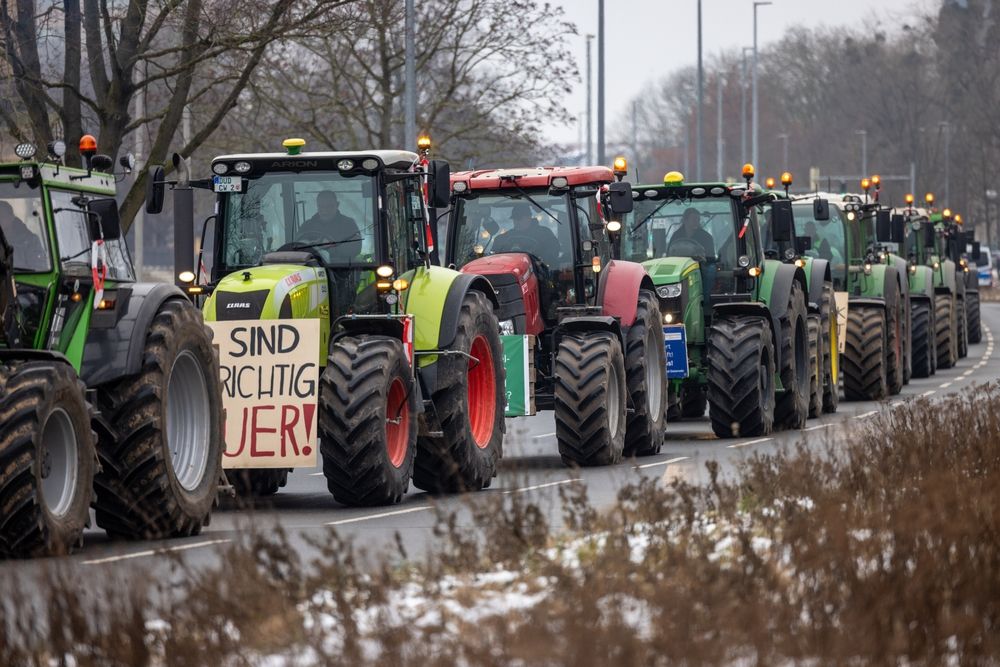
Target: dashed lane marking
{"type": "Point", "coordinates": [543, 435]}
{"type": "Point", "coordinates": [944, 385]}
{"type": "Point", "coordinates": [751, 442]}
{"type": "Point", "coordinates": [154, 552]}
{"type": "Point", "coordinates": [546, 485]}
{"type": "Point", "coordinates": [662, 463]}
{"type": "Point", "coordinates": [817, 427]}
{"type": "Point", "coordinates": [380, 515]}
{"type": "Point", "coordinates": [929, 393]}
{"type": "Point", "coordinates": [865, 415]}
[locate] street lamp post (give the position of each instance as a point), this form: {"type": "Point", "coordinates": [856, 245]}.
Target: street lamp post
{"type": "Point", "coordinates": [864, 151]}
{"type": "Point", "coordinates": [590, 108]}
{"type": "Point", "coordinates": [743, 106]}
{"type": "Point", "coordinates": [701, 103]}
{"type": "Point", "coordinates": [719, 145]}
{"type": "Point", "coordinates": [600, 82]}
{"type": "Point", "coordinates": [410, 101]}
{"type": "Point", "coordinates": [946, 128]}
{"type": "Point", "coordinates": [756, 119]}
{"type": "Point", "coordinates": [784, 152]}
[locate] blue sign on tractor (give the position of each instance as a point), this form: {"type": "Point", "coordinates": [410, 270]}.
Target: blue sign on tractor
{"type": "Point", "coordinates": [675, 340]}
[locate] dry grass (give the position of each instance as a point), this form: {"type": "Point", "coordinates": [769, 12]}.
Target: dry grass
{"type": "Point", "coordinates": [882, 550]}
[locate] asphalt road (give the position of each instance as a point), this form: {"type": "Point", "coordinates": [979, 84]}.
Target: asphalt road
{"type": "Point", "coordinates": [306, 511]}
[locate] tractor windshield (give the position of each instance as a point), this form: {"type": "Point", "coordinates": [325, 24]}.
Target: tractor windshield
{"type": "Point", "coordinates": [325, 212]}
{"type": "Point", "coordinates": [702, 229]}
{"type": "Point", "coordinates": [22, 221]}
{"type": "Point", "coordinates": [828, 239]}
{"type": "Point", "coordinates": [538, 224]}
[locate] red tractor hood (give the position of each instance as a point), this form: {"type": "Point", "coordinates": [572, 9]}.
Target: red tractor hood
{"type": "Point", "coordinates": [516, 297]}
{"type": "Point", "coordinates": [516, 263]}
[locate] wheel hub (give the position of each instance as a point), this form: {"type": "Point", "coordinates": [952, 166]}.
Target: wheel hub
{"type": "Point", "coordinates": [188, 420]}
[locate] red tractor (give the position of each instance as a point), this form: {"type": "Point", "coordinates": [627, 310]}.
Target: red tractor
{"type": "Point", "coordinates": [592, 324]}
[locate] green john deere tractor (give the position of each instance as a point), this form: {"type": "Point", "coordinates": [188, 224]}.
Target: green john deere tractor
{"type": "Point", "coordinates": [413, 378]}
{"type": "Point", "coordinates": [141, 349]}
{"type": "Point", "coordinates": [975, 260]}
{"type": "Point", "coordinates": [872, 302]}
{"type": "Point", "coordinates": [744, 345]}
{"type": "Point", "coordinates": [824, 346]}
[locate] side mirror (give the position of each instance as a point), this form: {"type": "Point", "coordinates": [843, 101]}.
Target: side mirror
{"type": "Point", "coordinates": [107, 210]}
{"type": "Point", "coordinates": [155, 189]}
{"type": "Point", "coordinates": [619, 198]}
{"type": "Point", "coordinates": [977, 252]}
{"type": "Point", "coordinates": [440, 183]}
{"type": "Point", "coordinates": [821, 210]}
{"type": "Point", "coordinates": [883, 224]}
{"type": "Point", "coordinates": [929, 234]}
{"type": "Point", "coordinates": [802, 244]}
{"type": "Point", "coordinates": [782, 221]}
{"type": "Point", "coordinates": [897, 228]}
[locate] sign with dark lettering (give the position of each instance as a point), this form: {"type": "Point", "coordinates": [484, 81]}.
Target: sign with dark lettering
{"type": "Point", "coordinates": [270, 389]}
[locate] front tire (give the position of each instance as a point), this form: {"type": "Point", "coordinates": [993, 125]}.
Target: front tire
{"type": "Point", "coordinates": [367, 421]}
{"type": "Point", "coordinates": [257, 482]}
{"type": "Point", "coordinates": [831, 347]}
{"type": "Point", "coordinates": [963, 334]}
{"type": "Point", "coordinates": [469, 402]}
{"type": "Point", "coordinates": [791, 408]}
{"type": "Point", "coordinates": [590, 399]}
{"type": "Point", "coordinates": [972, 311]}
{"type": "Point", "coordinates": [922, 340]}
{"type": "Point", "coordinates": [816, 367]}
{"type": "Point", "coordinates": [741, 377]}
{"type": "Point", "coordinates": [865, 355]}
{"type": "Point", "coordinates": [947, 343]}
{"type": "Point", "coordinates": [894, 347]}
{"type": "Point", "coordinates": [160, 477]}
{"type": "Point", "coordinates": [646, 379]}
{"type": "Point", "coordinates": [47, 460]}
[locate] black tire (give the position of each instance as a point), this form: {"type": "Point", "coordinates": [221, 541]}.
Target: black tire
{"type": "Point", "coordinates": [694, 402]}
{"type": "Point", "coordinates": [975, 326]}
{"type": "Point", "coordinates": [366, 388]}
{"type": "Point", "coordinates": [645, 363]}
{"type": "Point", "coordinates": [922, 341]}
{"type": "Point", "coordinates": [831, 350]}
{"type": "Point", "coordinates": [946, 330]}
{"type": "Point", "coordinates": [895, 344]}
{"type": "Point", "coordinates": [43, 406]}
{"type": "Point", "coordinates": [465, 456]}
{"type": "Point", "coordinates": [740, 377]}
{"type": "Point", "coordinates": [865, 355]}
{"type": "Point", "coordinates": [675, 405]}
{"type": "Point", "coordinates": [590, 399]}
{"type": "Point", "coordinates": [139, 492]}
{"type": "Point", "coordinates": [962, 323]}
{"type": "Point", "coordinates": [257, 483]}
{"type": "Point", "coordinates": [815, 367]}
{"type": "Point", "coordinates": [791, 408]}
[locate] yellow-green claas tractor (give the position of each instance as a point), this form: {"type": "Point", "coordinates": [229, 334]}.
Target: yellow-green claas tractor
{"type": "Point", "coordinates": [412, 382]}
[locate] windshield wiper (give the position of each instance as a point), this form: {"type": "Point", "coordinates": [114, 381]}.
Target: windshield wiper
{"type": "Point", "coordinates": [324, 244]}
{"type": "Point", "coordinates": [651, 214]}
{"type": "Point", "coordinates": [532, 200]}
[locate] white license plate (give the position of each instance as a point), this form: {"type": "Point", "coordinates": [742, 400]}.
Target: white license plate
{"type": "Point", "coordinates": [227, 183]}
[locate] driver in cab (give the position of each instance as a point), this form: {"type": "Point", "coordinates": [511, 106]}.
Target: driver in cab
{"type": "Point", "coordinates": [331, 229]}
{"type": "Point", "coordinates": [528, 235]}
{"type": "Point", "coordinates": [691, 232]}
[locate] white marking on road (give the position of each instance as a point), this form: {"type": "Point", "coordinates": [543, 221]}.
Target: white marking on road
{"type": "Point", "coordinates": [865, 415]}
{"type": "Point", "coordinates": [928, 393]}
{"type": "Point", "coordinates": [817, 427]}
{"type": "Point", "coordinates": [945, 385]}
{"type": "Point", "coordinates": [380, 515]}
{"type": "Point", "coordinates": [751, 442]}
{"type": "Point", "coordinates": [540, 486]}
{"type": "Point", "coordinates": [543, 435]}
{"type": "Point", "coordinates": [154, 552]}
{"type": "Point", "coordinates": [662, 463]}
{"type": "Point", "coordinates": [316, 474]}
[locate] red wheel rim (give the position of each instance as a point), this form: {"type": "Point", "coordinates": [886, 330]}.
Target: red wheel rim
{"type": "Point", "coordinates": [482, 392]}
{"type": "Point", "coordinates": [397, 422]}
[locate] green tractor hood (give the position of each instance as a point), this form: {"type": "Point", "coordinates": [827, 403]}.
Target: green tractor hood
{"type": "Point", "coordinates": [670, 270]}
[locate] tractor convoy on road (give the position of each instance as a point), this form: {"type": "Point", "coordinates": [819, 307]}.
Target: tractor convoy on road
{"type": "Point", "coordinates": [319, 328]}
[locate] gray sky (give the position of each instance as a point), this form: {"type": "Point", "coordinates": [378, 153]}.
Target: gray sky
{"type": "Point", "coordinates": [647, 39]}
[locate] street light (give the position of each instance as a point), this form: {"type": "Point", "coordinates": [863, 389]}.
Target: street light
{"type": "Point", "coordinates": [756, 119]}
{"type": "Point", "coordinates": [784, 152]}
{"type": "Point", "coordinates": [864, 151]}
{"type": "Point", "coordinates": [946, 128]}
{"type": "Point", "coordinates": [701, 103]}
{"type": "Point", "coordinates": [590, 108]}
{"type": "Point", "coordinates": [600, 81]}
{"type": "Point", "coordinates": [743, 105]}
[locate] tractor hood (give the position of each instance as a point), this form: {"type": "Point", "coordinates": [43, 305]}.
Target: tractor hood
{"type": "Point", "coordinates": [517, 264]}
{"type": "Point", "coordinates": [669, 270]}
{"type": "Point", "coordinates": [270, 292]}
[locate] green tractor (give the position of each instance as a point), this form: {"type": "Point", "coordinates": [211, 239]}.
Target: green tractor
{"type": "Point", "coordinates": [974, 260]}
{"type": "Point", "coordinates": [736, 322]}
{"type": "Point", "coordinates": [824, 345]}
{"type": "Point", "coordinates": [145, 449]}
{"type": "Point", "coordinates": [871, 294]}
{"type": "Point", "coordinates": [412, 385]}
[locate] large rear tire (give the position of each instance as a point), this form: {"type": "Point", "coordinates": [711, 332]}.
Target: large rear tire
{"type": "Point", "coordinates": [160, 477]}
{"type": "Point", "coordinates": [831, 348]}
{"type": "Point", "coordinates": [646, 379]}
{"type": "Point", "coordinates": [257, 482]}
{"type": "Point", "coordinates": [590, 399]}
{"type": "Point", "coordinates": [865, 355]}
{"type": "Point", "coordinates": [740, 377]}
{"type": "Point", "coordinates": [367, 421]}
{"type": "Point", "coordinates": [47, 459]}
{"type": "Point", "coordinates": [791, 409]}
{"type": "Point", "coordinates": [946, 331]}
{"type": "Point", "coordinates": [816, 369]}
{"type": "Point", "coordinates": [922, 340]}
{"type": "Point", "coordinates": [972, 312]}
{"type": "Point", "coordinates": [469, 402]}
{"type": "Point", "coordinates": [895, 344]}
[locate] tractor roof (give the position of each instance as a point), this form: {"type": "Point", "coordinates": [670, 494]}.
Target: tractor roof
{"type": "Point", "coordinates": [64, 177]}
{"type": "Point", "coordinates": [533, 177]}
{"type": "Point", "coordinates": [390, 158]}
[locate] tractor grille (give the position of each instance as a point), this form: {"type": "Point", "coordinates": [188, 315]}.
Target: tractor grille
{"type": "Point", "coordinates": [508, 292]}
{"type": "Point", "coordinates": [240, 305]}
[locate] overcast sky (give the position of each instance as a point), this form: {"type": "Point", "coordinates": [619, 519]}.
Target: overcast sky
{"type": "Point", "coordinates": [647, 39]}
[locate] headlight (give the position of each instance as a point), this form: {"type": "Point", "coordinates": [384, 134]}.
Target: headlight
{"type": "Point", "coordinates": [507, 327]}
{"type": "Point", "coordinates": [743, 261]}
{"type": "Point", "coordinates": [669, 291]}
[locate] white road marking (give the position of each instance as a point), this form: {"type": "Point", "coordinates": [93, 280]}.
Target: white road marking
{"type": "Point", "coordinates": [817, 427]}
{"type": "Point", "coordinates": [315, 474]}
{"type": "Point", "coordinates": [928, 393]}
{"type": "Point", "coordinates": [380, 515]}
{"type": "Point", "coordinates": [543, 435]}
{"type": "Point", "coordinates": [865, 415]}
{"type": "Point", "coordinates": [944, 385]}
{"type": "Point", "coordinates": [751, 442]}
{"type": "Point", "coordinates": [662, 463]}
{"type": "Point", "coordinates": [546, 485]}
{"type": "Point", "coordinates": [154, 552]}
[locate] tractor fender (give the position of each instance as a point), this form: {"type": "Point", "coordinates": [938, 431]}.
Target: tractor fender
{"type": "Point", "coordinates": [618, 292]}
{"type": "Point", "coordinates": [775, 290]}
{"type": "Point", "coordinates": [460, 286]}
{"type": "Point", "coordinates": [116, 352]}
{"type": "Point", "coordinates": [754, 309]}
{"type": "Point", "coordinates": [922, 282]}
{"type": "Point", "coordinates": [588, 323]}
{"type": "Point", "coordinates": [819, 276]}
{"type": "Point", "coordinates": [899, 264]}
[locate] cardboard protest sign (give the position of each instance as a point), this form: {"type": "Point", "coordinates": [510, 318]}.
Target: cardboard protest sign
{"type": "Point", "coordinates": [270, 389]}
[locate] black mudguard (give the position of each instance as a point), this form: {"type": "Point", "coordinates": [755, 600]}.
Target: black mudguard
{"type": "Point", "coordinates": [819, 275]}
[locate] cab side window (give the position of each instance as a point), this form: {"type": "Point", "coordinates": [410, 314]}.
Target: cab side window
{"type": "Point", "coordinates": [404, 208]}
